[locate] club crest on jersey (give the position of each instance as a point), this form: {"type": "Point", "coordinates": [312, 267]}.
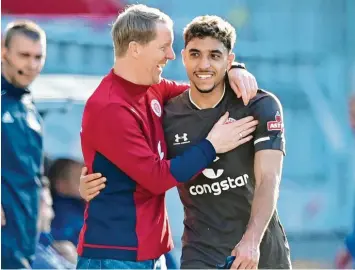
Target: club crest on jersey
{"type": "Point", "coordinates": [156, 107]}
{"type": "Point", "coordinates": [230, 120]}
{"type": "Point", "coordinates": [277, 124]}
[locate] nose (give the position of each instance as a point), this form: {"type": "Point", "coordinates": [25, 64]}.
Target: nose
{"type": "Point", "coordinates": [33, 64]}
{"type": "Point", "coordinates": [204, 63]}
{"type": "Point", "coordinates": [170, 54]}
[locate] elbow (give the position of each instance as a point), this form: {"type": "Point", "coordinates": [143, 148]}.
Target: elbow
{"type": "Point", "coordinates": [157, 191]}
{"type": "Point", "coordinates": [159, 185]}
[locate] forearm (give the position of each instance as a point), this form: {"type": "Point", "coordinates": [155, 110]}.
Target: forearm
{"type": "Point", "coordinates": [154, 173]}
{"type": "Point", "coordinates": [263, 207]}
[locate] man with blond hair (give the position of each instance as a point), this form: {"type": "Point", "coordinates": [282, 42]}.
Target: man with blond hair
{"type": "Point", "coordinates": [122, 137]}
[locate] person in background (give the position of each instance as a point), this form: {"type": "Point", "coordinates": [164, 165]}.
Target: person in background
{"type": "Point", "coordinates": [47, 255]}
{"type": "Point", "coordinates": [23, 53]}
{"type": "Point", "coordinates": [346, 255]}
{"type": "Point", "coordinates": [68, 206]}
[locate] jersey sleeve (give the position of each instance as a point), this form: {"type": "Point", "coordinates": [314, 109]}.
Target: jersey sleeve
{"type": "Point", "coordinates": [171, 89]}
{"type": "Point", "coordinates": [269, 133]}
{"type": "Point", "coordinates": [122, 141]}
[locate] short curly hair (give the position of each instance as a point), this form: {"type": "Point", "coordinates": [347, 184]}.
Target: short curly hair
{"type": "Point", "coordinates": [211, 26]}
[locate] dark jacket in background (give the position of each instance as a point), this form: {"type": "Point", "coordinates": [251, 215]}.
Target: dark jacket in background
{"type": "Point", "coordinates": [21, 162]}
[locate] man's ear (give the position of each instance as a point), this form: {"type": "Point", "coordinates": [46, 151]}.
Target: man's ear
{"type": "Point", "coordinates": [230, 58]}
{"type": "Point", "coordinates": [134, 49]}
{"type": "Point", "coordinates": [4, 49]}
{"type": "Point", "coordinates": [183, 54]}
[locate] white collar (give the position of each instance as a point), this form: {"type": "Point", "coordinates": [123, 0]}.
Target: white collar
{"type": "Point", "coordinates": [224, 91]}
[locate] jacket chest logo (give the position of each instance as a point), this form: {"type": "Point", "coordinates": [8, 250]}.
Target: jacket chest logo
{"type": "Point", "coordinates": [7, 118]}
{"type": "Point", "coordinates": [156, 107]}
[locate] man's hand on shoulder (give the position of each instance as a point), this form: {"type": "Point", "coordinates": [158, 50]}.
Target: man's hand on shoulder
{"type": "Point", "coordinates": [227, 137]}
{"type": "Point", "coordinates": [243, 84]}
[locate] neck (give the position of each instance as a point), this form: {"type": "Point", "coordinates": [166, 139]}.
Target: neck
{"type": "Point", "coordinates": [126, 69]}
{"type": "Point", "coordinates": [207, 100]}
{"type": "Point", "coordinates": [7, 77]}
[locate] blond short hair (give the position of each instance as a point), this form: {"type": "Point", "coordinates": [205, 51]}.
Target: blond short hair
{"type": "Point", "coordinates": [136, 23]}
{"type": "Point", "coordinates": [23, 27]}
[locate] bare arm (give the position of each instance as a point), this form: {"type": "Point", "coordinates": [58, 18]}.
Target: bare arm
{"type": "Point", "coordinates": [269, 146]}
{"type": "Point", "coordinates": [267, 168]}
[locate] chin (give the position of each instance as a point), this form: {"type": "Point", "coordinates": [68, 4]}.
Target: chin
{"type": "Point", "coordinates": [205, 88]}
{"type": "Point", "coordinates": [24, 83]}
{"type": "Point", "coordinates": [157, 80]}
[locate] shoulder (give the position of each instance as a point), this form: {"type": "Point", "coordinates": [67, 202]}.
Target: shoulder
{"type": "Point", "coordinates": [117, 109]}
{"type": "Point", "coordinates": [105, 98]}
{"type": "Point", "coordinates": [5, 100]}
{"type": "Point", "coordinates": [4, 93]}
{"type": "Point", "coordinates": [178, 102]}
{"type": "Point", "coordinates": [101, 111]}
{"type": "Point", "coordinates": [164, 83]}
{"type": "Point", "coordinates": [158, 89]}
{"type": "Point", "coordinates": [264, 96]}
{"type": "Point", "coordinates": [266, 101]}
{"type": "Point", "coordinates": [103, 89]}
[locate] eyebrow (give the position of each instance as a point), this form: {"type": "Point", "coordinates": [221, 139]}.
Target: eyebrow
{"type": "Point", "coordinates": [167, 43]}
{"type": "Point", "coordinates": [216, 51]}
{"type": "Point", "coordinates": [29, 54]}
{"type": "Point", "coordinates": [212, 51]}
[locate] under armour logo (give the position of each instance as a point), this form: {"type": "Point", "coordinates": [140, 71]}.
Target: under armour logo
{"type": "Point", "coordinates": [181, 139]}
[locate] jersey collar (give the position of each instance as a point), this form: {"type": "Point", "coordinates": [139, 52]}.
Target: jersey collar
{"type": "Point", "coordinates": [214, 106]}
{"type": "Point", "coordinates": [9, 89]}
{"type": "Point", "coordinates": [131, 89]}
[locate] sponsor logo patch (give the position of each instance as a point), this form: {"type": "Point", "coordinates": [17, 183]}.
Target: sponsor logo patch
{"type": "Point", "coordinates": [277, 124]}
